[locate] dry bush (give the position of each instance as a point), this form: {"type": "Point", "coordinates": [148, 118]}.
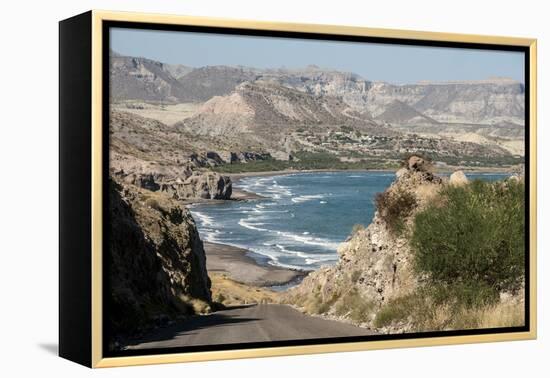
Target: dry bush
{"type": "Point", "coordinates": [354, 306]}
{"type": "Point", "coordinates": [394, 206]}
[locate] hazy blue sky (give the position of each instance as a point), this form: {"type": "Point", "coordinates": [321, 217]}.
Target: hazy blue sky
{"type": "Point", "coordinates": [391, 63]}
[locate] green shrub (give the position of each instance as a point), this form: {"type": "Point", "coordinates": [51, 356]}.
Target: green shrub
{"type": "Point", "coordinates": [471, 243]}
{"type": "Point", "coordinates": [394, 207]}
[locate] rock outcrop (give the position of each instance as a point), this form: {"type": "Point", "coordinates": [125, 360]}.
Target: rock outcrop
{"type": "Point", "coordinates": [458, 178]}
{"type": "Point", "coordinates": [375, 263]}
{"type": "Point", "coordinates": [245, 157]}
{"type": "Point", "coordinates": [208, 159]}
{"type": "Point", "coordinates": [212, 159]}
{"type": "Point", "coordinates": [156, 265]}
{"type": "Point", "coordinates": [207, 185]}
{"type": "Point", "coordinates": [198, 185]}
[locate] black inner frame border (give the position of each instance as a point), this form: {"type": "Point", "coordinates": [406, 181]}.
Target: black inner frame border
{"type": "Point", "coordinates": [107, 25]}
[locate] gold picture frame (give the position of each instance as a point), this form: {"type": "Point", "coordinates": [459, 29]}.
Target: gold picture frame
{"type": "Point", "coordinates": [92, 25]}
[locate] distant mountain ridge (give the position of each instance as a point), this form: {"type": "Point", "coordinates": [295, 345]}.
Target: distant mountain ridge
{"type": "Point", "coordinates": [490, 101]}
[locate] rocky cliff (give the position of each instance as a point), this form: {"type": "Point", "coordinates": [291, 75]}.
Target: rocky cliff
{"type": "Point", "coordinates": [153, 156]}
{"type": "Point", "coordinates": [195, 185]}
{"type": "Point", "coordinates": [156, 261]}
{"type": "Point", "coordinates": [375, 263]}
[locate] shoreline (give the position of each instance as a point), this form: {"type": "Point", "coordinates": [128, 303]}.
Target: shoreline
{"type": "Point", "coordinates": [236, 264]}
{"type": "Point", "coordinates": [241, 175]}
{"type": "Point", "coordinates": [438, 170]}
{"type": "Point", "coordinates": [239, 194]}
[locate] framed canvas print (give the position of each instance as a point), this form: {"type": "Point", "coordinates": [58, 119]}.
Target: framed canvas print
{"type": "Point", "coordinates": [235, 189]}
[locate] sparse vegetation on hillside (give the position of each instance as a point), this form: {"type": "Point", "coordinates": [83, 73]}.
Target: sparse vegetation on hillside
{"type": "Point", "coordinates": [352, 304]}
{"type": "Point", "coordinates": [422, 313]}
{"type": "Point", "coordinates": [305, 161]}
{"type": "Point", "coordinates": [227, 292]}
{"type": "Point", "coordinates": [394, 207]}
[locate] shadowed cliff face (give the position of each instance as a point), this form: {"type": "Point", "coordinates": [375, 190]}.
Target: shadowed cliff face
{"type": "Point", "coordinates": [155, 259]}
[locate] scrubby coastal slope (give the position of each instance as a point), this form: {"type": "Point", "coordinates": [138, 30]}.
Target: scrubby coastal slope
{"type": "Point", "coordinates": [374, 263]}
{"type": "Point", "coordinates": [379, 281]}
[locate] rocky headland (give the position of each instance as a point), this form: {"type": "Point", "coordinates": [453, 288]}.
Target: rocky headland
{"type": "Point", "coordinates": [376, 266]}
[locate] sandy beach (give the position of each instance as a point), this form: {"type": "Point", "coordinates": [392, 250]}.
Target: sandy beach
{"type": "Point", "coordinates": [243, 195]}
{"type": "Point", "coordinates": [237, 265]}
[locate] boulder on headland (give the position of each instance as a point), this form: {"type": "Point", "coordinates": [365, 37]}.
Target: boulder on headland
{"type": "Point", "coordinates": [458, 178]}
{"type": "Point", "coordinates": [417, 163]}
{"type": "Point", "coordinates": [400, 173]}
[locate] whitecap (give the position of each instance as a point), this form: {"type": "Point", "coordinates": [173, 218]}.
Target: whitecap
{"type": "Point", "coordinates": [251, 226]}
{"type": "Point", "coordinates": [308, 197]}
{"type": "Point", "coordinates": [205, 220]}
{"type": "Point", "coordinates": [310, 240]}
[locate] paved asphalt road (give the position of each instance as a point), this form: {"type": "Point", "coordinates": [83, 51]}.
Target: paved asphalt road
{"type": "Point", "coordinates": [252, 323]}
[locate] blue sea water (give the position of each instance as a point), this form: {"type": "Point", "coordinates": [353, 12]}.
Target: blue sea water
{"type": "Point", "coordinates": [303, 218]}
